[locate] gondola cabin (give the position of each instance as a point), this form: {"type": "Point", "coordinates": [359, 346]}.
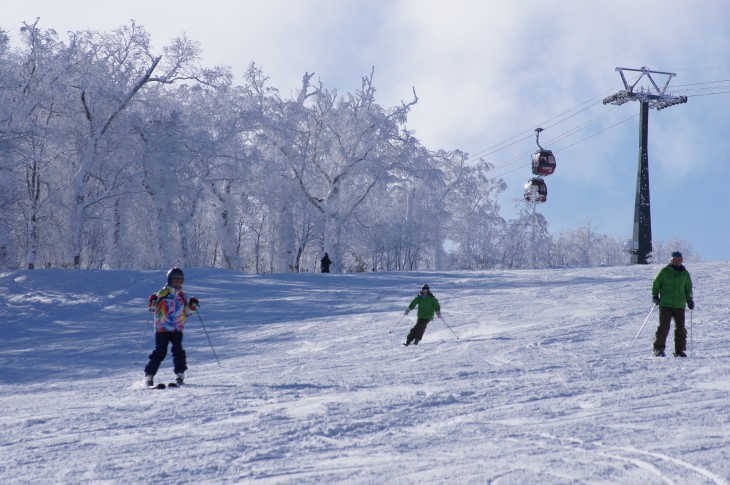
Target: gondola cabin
{"type": "Point", "coordinates": [536, 190]}
{"type": "Point", "coordinates": [543, 163]}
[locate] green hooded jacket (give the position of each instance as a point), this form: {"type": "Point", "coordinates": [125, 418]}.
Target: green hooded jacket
{"type": "Point", "coordinates": [673, 285]}
{"type": "Point", "coordinates": [427, 306]}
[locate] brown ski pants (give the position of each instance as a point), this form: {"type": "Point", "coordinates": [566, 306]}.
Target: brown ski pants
{"type": "Point", "coordinates": [666, 315]}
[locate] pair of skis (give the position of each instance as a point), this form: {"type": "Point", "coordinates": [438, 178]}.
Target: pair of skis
{"type": "Point", "coordinates": [162, 385]}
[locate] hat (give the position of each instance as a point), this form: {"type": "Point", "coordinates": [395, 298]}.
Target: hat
{"type": "Point", "coordinates": [676, 254]}
{"type": "Point", "coordinates": [425, 287]}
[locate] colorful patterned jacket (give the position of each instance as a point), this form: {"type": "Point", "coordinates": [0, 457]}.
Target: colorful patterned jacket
{"type": "Point", "coordinates": [171, 310]}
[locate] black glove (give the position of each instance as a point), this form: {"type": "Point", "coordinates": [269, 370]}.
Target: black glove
{"type": "Point", "coordinates": [194, 303]}
{"type": "Point", "coordinates": [691, 304]}
{"type": "Point", "coordinates": [655, 299]}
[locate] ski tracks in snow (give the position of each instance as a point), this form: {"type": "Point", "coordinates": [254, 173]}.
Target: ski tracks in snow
{"type": "Point", "coordinates": [537, 389]}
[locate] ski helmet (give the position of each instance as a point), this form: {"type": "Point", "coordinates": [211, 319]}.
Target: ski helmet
{"type": "Point", "coordinates": [175, 273]}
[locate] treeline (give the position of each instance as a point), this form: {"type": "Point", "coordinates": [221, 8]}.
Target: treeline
{"type": "Point", "coordinates": [115, 156]}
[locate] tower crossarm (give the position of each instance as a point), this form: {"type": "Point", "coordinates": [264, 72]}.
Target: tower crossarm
{"type": "Point", "coordinates": [655, 96]}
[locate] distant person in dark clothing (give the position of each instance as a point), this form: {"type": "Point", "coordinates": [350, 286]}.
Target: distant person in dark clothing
{"type": "Point", "coordinates": [427, 305]}
{"type": "Point", "coordinates": [326, 263]}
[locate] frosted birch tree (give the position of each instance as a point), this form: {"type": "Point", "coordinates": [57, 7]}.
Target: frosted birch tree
{"type": "Point", "coordinates": [343, 149]}
{"type": "Point", "coordinates": [8, 142]}
{"type": "Point", "coordinates": [476, 226]}
{"type": "Point", "coordinates": [527, 242]}
{"type": "Point", "coordinates": [37, 100]}
{"type": "Point", "coordinates": [112, 69]}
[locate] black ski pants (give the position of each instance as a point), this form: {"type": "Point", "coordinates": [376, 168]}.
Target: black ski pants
{"type": "Point", "coordinates": [666, 315]}
{"type": "Point", "coordinates": [417, 331]}
{"type": "Point", "coordinates": [162, 339]}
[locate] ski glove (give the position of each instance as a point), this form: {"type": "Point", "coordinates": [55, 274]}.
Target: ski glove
{"type": "Point", "coordinates": [193, 303]}
{"type": "Point", "coordinates": [408, 310]}
{"type": "Point", "coordinates": [655, 299]}
{"type": "Point", "coordinates": [691, 304]}
{"type": "Point", "coordinates": [438, 314]}
{"type": "Point", "coordinates": [152, 305]}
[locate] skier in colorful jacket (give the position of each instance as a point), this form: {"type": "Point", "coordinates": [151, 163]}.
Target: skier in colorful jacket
{"type": "Point", "coordinates": [427, 306]}
{"type": "Point", "coordinates": [671, 290]}
{"type": "Point", "coordinates": [171, 308]}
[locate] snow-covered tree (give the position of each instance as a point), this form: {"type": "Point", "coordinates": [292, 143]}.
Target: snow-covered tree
{"type": "Point", "coordinates": [340, 150]}
{"type": "Point", "coordinates": [662, 250]}
{"type": "Point", "coordinates": [527, 242]}
{"type": "Point", "coordinates": [111, 70]}
{"type": "Point", "coordinates": [112, 155]}
{"type": "Point", "coordinates": [9, 139]}
{"type": "Point", "coordinates": [474, 225]}
{"type": "Point", "coordinates": [36, 100]}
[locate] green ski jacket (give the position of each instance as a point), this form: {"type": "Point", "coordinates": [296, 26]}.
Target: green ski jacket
{"type": "Point", "coordinates": [427, 306]}
{"type": "Point", "coordinates": [673, 285]}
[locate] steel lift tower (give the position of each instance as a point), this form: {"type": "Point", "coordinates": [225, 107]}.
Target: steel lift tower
{"type": "Point", "coordinates": [650, 97]}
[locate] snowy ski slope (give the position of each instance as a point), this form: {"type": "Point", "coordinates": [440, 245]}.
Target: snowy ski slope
{"type": "Point", "coordinates": [313, 388]}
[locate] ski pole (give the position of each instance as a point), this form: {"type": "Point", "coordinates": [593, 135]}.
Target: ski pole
{"type": "Point", "coordinates": [447, 326]}
{"type": "Point", "coordinates": [206, 334]}
{"type": "Point", "coordinates": [144, 335]}
{"type": "Point", "coordinates": [642, 328]}
{"type": "Point", "coordinates": [401, 318]}
{"type": "Point", "coordinates": [691, 346]}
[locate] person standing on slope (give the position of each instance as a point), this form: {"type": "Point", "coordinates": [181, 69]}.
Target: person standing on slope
{"type": "Point", "coordinates": [171, 308]}
{"type": "Point", "coordinates": [427, 305]}
{"type": "Point", "coordinates": [325, 261]}
{"type": "Point", "coordinates": [671, 290]}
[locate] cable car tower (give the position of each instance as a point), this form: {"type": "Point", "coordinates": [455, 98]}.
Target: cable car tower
{"type": "Point", "coordinates": [543, 164]}
{"type": "Point", "coordinates": [651, 97]}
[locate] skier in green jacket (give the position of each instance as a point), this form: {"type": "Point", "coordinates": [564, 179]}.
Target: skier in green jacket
{"type": "Point", "coordinates": [427, 306]}
{"type": "Point", "coordinates": [671, 290]}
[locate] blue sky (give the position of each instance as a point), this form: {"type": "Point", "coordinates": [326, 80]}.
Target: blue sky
{"type": "Point", "coordinates": [487, 71]}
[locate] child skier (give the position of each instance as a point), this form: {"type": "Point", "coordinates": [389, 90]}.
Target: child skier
{"type": "Point", "coordinates": [171, 308]}
{"type": "Point", "coordinates": [427, 306]}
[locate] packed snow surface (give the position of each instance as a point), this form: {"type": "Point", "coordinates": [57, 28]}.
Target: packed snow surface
{"type": "Point", "coordinates": [312, 386]}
